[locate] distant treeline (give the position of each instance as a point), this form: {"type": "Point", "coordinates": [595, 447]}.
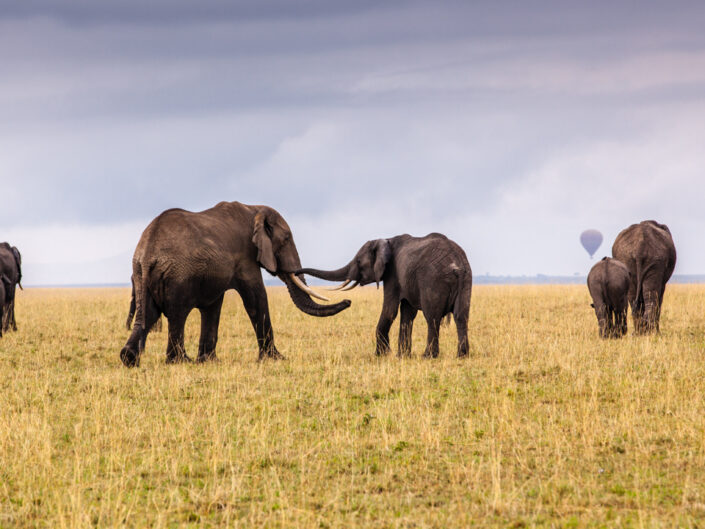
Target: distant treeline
{"type": "Point", "coordinates": [541, 279]}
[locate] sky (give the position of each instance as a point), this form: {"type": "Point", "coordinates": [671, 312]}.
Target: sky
{"type": "Point", "coordinates": [511, 127]}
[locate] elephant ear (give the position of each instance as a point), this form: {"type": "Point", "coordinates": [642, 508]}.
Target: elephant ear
{"type": "Point", "coordinates": [263, 242]}
{"type": "Point", "coordinates": [382, 256]}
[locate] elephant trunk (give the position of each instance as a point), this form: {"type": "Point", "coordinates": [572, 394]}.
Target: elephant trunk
{"type": "Point", "coordinates": [341, 274]}
{"type": "Point", "coordinates": [305, 304]}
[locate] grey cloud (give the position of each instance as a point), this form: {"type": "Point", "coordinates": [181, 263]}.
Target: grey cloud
{"type": "Point", "coordinates": [376, 115]}
{"type": "Point", "coordinates": [134, 11]}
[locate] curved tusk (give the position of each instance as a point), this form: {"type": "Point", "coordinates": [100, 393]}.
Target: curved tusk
{"type": "Point", "coordinates": [349, 287]}
{"type": "Point", "coordinates": [341, 286]}
{"type": "Point", "coordinates": [306, 289]}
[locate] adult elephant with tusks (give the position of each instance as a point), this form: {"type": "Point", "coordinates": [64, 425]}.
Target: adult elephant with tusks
{"type": "Point", "coordinates": [430, 273]}
{"type": "Point", "coordinates": [11, 278]}
{"type": "Point", "coordinates": [186, 260]}
{"type": "Point", "coordinates": [648, 251]}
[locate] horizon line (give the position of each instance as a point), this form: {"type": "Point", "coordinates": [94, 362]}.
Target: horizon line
{"type": "Point", "coordinates": [478, 278]}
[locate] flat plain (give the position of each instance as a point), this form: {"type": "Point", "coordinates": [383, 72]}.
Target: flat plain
{"type": "Point", "coordinates": [543, 425]}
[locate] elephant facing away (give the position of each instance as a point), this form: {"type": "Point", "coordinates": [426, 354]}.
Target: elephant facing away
{"type": "Point", "coordinates": [11, 273]}
{"type": "Point", "coordinates": [648, 251]}
{"type": "Point", "coordinates": [430, 273]}
{"type": "Point", "coordinates": [608, 282]}
{"type": "Point", "coordinates": [186, 260]}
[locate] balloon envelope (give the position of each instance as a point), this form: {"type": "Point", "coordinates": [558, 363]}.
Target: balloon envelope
{"type": "Point", "coordinates": [591, 241]}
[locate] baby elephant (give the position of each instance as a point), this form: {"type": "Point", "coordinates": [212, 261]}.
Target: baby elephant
{"type": "Point", "coordinates": [608, 282]}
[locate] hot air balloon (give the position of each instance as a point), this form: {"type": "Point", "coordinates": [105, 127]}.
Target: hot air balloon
{"type": "Point", "coordinates": [591, 241]}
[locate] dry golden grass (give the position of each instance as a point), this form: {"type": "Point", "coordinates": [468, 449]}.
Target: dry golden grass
{"type": "Point", "coordinates": [543, 425]}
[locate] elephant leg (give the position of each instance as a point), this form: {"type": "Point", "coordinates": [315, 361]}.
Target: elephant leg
{"type": "Point", "coordinates": [254, 298]}
{"type": "Point", "coordinates": [433, 321]}
{"type": "Point", "coordinates": [406, 326]}
{"type": "Point", "coordinates": [175, 350]}
{"type": "Point", "coordinates": [130, 353]}
{"type": "Point", "coordinates": [461, 315]}
{"type": "Point", "coordinates": [461, 324]}
{"type": "Point", "coordinates": [651, 311]}
{"type": "Point", "coordinates": [602, 321]}
{"type": "Point", "coordinates": [390, 307]}
{"type": "Point", "coordinates": [638, 315]}
{"type": "Point", "coordinates": [210, 318]}
{"type": "Point", "coordinates": [152, 314]}
{"type": "Point", "coordinates": [6, 319]}
{"type": "Point", "coordinates": [11, 317]}
{"type": "Point", "coordinates": [621, 322]}
{"type": "Point", "coordinates": [610, 322]}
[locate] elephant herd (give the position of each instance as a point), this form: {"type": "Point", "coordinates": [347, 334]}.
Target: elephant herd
{"type": "Point", "coordinates": [186, 260]}
{"type": "Point", "coordinates": [643, 259]}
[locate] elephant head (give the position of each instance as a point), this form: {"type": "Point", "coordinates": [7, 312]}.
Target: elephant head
{"type": "Point", "coordinates": [277, 253]}
{"type": "Point", "coordinates": [368, 266]}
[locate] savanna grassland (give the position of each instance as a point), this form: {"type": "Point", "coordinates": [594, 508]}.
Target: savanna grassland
{"type": "Point", "coordinates": [543, 425]}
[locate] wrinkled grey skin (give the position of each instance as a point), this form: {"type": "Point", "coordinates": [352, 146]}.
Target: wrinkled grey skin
{"type": "Point", "coordinates": [608, 282]}
{"type": "Point", "coordinates": [4, 283]}
{"type": "Point", "coordinates": [186, 260]}
{"type": "Point", "coordinates": [648, 251]}
{"type": "Point", "coordinates": [430, 273]}
{"type": "Point", "coordinates": [131, 313]}
{"type": "Point", "coordinates": [11, 272]}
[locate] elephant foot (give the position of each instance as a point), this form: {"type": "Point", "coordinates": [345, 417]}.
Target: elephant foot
{"type": "Point", "coordinates": [270, 355]}
{"type": "Point", "coordinates": [129, 357]}
{"type": "Point", "coordinates": [382, 351]}
{"type": "Point", "coordinates": [211, 357]}
{"type": "Point", "coordinates": [179, 359]}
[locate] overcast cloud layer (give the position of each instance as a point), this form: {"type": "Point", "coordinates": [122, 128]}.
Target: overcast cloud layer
{"type": "Point", "coordinates": [509, 126]}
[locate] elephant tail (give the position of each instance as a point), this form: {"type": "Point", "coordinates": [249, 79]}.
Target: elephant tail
{"type": "Point", "coordinates": [142, 296]}
{"type": "Point", "coordinates": [143, 305]}
{"type": "Point", "coordinates": [133, 306]}
{"type": "Point", "coordinates": [639, 281]}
